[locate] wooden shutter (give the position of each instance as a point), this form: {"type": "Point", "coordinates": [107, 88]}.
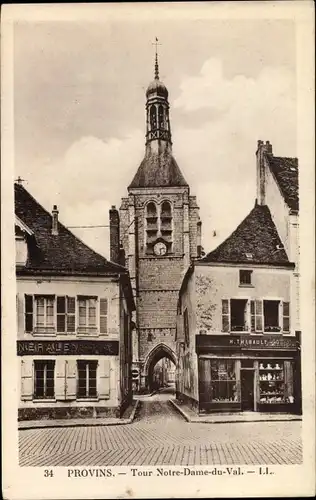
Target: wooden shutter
{"type": "Point", "coordinates": [258, 316]}
{"type": "Point", "coordinates": [288, 378]}
{"type": "Point", "coordinates": [225, 315]}
{"type": "Point", "coordinates": [60, 387]}
{"type": "Point", "coordinates": [61, 314]}
{"type": "Point", "coordinates": [28, 301]}
{"type": "Point", "coordinates": [71, 314]}
{"type": "Point", "coordinates": [71, 379]}
{"type": "Point", "coordinates": [286, 317]}
{"type": "Point", "coordinates": [104, 379]}
{"type": "Point", "coordinates": [26, 379]}
{"type": "Point", "coordinates": [252, 316]}
{"type": "Point", "coordinates": [104, 316]}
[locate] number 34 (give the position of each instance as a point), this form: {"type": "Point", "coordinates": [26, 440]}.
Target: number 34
{"type": "Point", "coordinates": [48, 473]}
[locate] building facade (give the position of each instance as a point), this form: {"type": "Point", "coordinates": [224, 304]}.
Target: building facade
{"type": "Point", "coordinates": [160, 232]}
{"type": "Point", "coordinates": [74, 312]}
{"type": "Point", "coordinates": [237, 338]}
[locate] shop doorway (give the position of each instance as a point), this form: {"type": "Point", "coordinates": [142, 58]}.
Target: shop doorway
{"type": "Point", "coordinates": [247, 389]}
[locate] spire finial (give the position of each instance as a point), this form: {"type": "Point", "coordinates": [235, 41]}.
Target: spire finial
{"type": "Point", "coordinates": [156, 43]}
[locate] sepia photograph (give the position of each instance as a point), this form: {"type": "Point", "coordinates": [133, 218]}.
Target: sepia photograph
{"type": "Point", "coordinates": [156, 190]}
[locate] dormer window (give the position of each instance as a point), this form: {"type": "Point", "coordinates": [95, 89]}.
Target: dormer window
{"type": "Point", "coordinates": [21, 250]}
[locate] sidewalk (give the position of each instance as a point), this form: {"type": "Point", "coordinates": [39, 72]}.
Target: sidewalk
{"type": "Point", "coordinates": [223, 418]}
{"type": "Point", "coordinates": [80, 422]}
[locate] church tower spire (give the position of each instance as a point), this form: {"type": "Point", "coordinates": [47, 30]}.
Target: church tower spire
{"type": "Point", "coordinates": [157, 111]}
{"type": "Point", "coordinates": [158, 168]}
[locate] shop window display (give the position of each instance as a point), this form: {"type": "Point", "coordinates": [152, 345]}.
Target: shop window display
{"type": "Point", "coordinates": [223, 381]}
{"type": "Point", "coordinates": [272, 383]}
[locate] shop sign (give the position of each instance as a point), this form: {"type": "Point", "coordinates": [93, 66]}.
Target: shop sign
{"type": "Point", "coordinates": [246, 342]}
{"type": "Point", "coordinates": [64, 347]}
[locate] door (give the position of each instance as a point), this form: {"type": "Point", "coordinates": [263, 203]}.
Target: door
{"type": "Point", "coordinates": [247, 389]}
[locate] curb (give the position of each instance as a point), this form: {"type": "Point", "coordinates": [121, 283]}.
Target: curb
{"type": "Point", "coordinates": [85, 423]}
{"type": "Point", "coordinates": [200, 420]}
{"type": "Point", "coordinates": [178, 409]}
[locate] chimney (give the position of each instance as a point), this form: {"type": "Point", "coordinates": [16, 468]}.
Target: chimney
{"type": "Point", "coordinates": [114, 235]}
{"type": "Point", "coordinates": [262, 150]}
{"type": "Point", "coordinates": [55, 220]}
{"type": "Point", "coordinates": [199, 238]}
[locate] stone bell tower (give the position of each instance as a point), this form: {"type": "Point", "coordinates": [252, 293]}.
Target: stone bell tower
{"type": "Point", "coordinates": [160, 233]}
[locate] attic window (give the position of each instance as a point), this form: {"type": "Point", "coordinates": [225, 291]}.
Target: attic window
{"type": "Point", "coordinates": [245, 277]}
{"type": "Point", "coordinates": [249, 256]}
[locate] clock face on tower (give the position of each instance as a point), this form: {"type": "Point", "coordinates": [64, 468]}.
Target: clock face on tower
{"type": "Point", "coordinates": [160, 248]}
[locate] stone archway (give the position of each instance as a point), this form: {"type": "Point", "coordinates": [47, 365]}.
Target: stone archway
{"type": "Point", "coordinates": [156, 354]}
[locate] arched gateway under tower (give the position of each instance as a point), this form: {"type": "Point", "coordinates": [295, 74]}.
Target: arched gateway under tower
{"type": "Point", "coordinates": [160, 231]}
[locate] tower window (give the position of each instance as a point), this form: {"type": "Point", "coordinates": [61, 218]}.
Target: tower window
{"type": "Point", "coordinates": [158, 224]}
{"type": "Point", "coordinates": [151, 224]}
{"type": "Point", "coordinates": [153, 117]}
{"type": "Point", "coordinates": [161, 117]}
{"type": "Point", "coordinates": [166, 222]}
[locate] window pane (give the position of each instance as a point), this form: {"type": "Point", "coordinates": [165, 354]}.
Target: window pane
{"type": "Point", "coordinates": [82, 312]}
{"type": "Point", "coordinates": [61, 322]}
{"type": "Point", "coordinates": [28, 303]}
{"type": "Point", "coordinates": [71, 323]}
{"type": "Point", "coordinates": [61, 305]}
{"type": "Point", "coordinates": [49, 313]}
{"type": "Point", "coordinates": [71, 305]}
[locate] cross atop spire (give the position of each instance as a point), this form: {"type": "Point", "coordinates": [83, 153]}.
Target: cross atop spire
{"type": "Point", "coordinates": [156, 43]}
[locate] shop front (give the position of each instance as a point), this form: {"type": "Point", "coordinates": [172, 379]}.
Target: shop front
{"type": "Point", "coordinates": [248, 373]}
{"type": "Point", "coordinates": [69, 379]}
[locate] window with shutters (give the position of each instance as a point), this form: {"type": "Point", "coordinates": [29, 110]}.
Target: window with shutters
{"type": "Point", "coordinates": [66, 314]}
{"type": "Point", "coordinates": [238, 315]}
{"type": "Point", "coordinates": [271, 315]}
{"type": "Point", "coordinates": [44, 314]}
{"type": "Point", "coordinates": [87, 379]}
{"type": "Point", "coordinates": [286, 317]}
{"type": "Point", "coordinates": [103, 316]}
{"type": "Point", "coordinates": [44, 379]}
{"type": "Point", "coordinates": [87, 314]}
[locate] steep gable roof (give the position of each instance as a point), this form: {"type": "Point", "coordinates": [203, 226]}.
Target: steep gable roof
{"type": "Point", "coordinates": [62, 253]}
{"type": "Point", "coordinates": [158, 169]}
{"type": "Point", "coordinates": [285, 171]}
{"type": "Point", "coordinates": [255, 241]}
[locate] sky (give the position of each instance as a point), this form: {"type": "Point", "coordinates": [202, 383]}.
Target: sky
{"type": "Point", "coordinates": [79, 111]}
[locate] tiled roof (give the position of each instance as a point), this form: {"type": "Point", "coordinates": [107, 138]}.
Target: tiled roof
{"type": "Point", "coordinates": [285, 171]}
{"type": "Point", "coordinates": [63, 253]}
{"type": "Point", "coordinates": [255, 240]}
{"type": "Point", "coordinates": [158, 169]}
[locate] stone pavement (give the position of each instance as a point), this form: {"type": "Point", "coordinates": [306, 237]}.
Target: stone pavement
{"type": "Point", "coordinates": [160, 436]}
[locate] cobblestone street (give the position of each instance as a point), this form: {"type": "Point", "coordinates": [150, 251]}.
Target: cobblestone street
{"type": "Point", "coordinates": [159, 435]}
